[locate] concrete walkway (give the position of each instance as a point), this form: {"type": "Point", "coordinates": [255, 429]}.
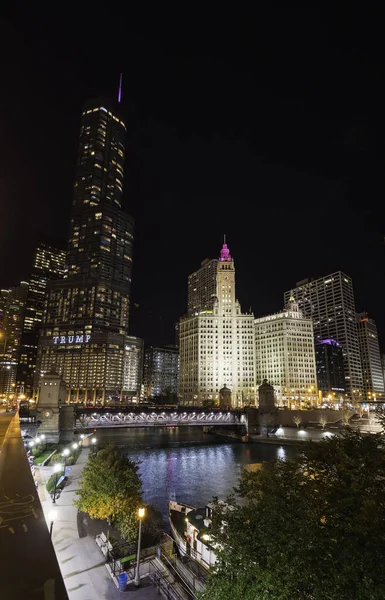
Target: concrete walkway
{"type": "Point", "coordinates": [81, 562]}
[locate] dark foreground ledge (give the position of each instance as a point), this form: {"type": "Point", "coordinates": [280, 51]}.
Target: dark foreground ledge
{"type": "Point", "coordinates": [29, 569]}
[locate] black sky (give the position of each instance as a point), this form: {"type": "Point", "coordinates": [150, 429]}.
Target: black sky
{"type": "Point", "coordinates": [267, 126]}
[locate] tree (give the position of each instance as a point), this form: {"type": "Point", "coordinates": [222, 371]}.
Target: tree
{"type": "Point", "coordinates": [323, 419]}
{"type": "Point", "coordinates": [312, 527]}
{"type": "Point", "coordinates": [110, 488]}
{"type": "Point", "coordinates": [297, 420]}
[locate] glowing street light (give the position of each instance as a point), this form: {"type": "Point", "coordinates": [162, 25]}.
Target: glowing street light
{"type": "Point", "coordinates": [141, 513]}
{"type": "Point", "coordinates": [93, 441]}
{"type": "Point", "coordinates": [65, 453]}
{"type": "Point", "coordinates": [75, 445]}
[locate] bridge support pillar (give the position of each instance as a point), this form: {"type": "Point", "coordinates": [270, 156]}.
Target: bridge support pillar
{"type": "Point", "coordinates": [103, 397]}
{"type": "Point", "coordinates": [94, 397]}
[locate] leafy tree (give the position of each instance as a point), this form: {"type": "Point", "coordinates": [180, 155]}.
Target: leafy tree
{"type": "Point", "coordinates": [312, 527]}
{"type": "Point", "coordinates": [110, 488]}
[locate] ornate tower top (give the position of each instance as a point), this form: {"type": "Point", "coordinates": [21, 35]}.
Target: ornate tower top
{"type": "Point", "coordinates": [225, 252]}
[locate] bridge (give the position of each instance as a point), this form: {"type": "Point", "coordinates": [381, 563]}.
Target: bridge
{"type": "Point", "coordinates": [158, 416]}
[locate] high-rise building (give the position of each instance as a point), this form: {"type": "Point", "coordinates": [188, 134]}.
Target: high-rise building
{"type": "Point", "coordinates": [48, 263]}
{"type": "Point", "coordinates": [284, 344]}
{"type": "Point", "coordinates": [12, 308]}
{"type": "Point", "coordinates": [86, 314]}
{"type": "Point", "coordinates": [202, 288]}
{"type": "Point", "coordinates": [217, 345]}
{"type": "Point", "coordinates": [372, 375]}
{"type": "Point", "coordinates": [161, 372]}
{"type": "Point", "coordinates": [330, 369]}
{"type": "Point", "coordinates": [329, 301]}
{"type": "Point", "coordinates": [133, 367]}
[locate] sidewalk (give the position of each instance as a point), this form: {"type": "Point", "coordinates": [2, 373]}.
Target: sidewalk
{"type": "Point", "coordinates": [80, 560]}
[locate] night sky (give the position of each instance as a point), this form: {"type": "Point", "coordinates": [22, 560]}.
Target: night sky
{"type": "Point", "coordinates": [266, 126]}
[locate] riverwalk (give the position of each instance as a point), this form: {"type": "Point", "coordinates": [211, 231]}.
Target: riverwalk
{"type": "Point", "coordinates": [80, 560]}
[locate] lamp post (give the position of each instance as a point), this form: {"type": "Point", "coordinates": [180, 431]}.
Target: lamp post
{"type": "Point", "coordinates": [65, 453]}
{"type": "Point", "coordinates": [56, 468]}
{"type": "Point", "coordinates": [52, 516]}
{"type": "Point", "coordinates": [75, 445]}
{"type": "Point", "coordinates": [93, 441]}
{"type": "Point", "coordinates": [141, 513]}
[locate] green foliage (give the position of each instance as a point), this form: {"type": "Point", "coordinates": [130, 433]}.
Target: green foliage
{"type": "Point", "coordinates": [110, 488]}
{"type": "Point", "coordinates": [309, 528]}
{"type": "Point", "coordinates": [51, 482]}
{"type": "Point", "coordinates": [57, 458]}
{"type": "Point", "coordinates": [37, 450]}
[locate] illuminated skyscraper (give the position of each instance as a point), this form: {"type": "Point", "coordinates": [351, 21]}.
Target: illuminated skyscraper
{"type": "Point", "coordinates": [161, 371]}
{"type": "Point", "coordinates": [86, 314]}
{"type": "Point", "coordinates": [372, 375]}
{"type": "Point", "coordinates": [217, 343]}
{"type": "Point", "coordinates": [12, 307]}
{"type": "Point", "coordinates": [48, 263]}
{"type": "Point", "coordinates": [329, 301]}
{"type": "Point", "coordinates": [285, 356]}
{"type": "Point", "coordinates": [202, 288]}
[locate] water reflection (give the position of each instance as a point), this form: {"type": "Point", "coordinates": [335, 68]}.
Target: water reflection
{"type": "Point", "coordinates": [186, 464]}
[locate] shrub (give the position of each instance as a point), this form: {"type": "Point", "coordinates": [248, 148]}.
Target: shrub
{"type": "Point", "coordinates": [37, 450]}
{"type": "Point", "coordinates": [70, 461]}
{"type": "Point", "coordinates": [51, 483]}
{"type": "Point", "coordinates": [56, 458]}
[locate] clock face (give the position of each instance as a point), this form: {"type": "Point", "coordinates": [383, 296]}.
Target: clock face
{"type": "Point", "coordinates": [47, 413]}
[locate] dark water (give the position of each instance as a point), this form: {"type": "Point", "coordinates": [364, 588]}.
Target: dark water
{"type": "Point", "coordinates": [187, 465]}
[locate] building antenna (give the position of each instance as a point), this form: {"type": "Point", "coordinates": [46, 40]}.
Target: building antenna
{"type": "Point", "coordinates": [120, 88]}
{"type": "Point", "coordinates": [224, 238]}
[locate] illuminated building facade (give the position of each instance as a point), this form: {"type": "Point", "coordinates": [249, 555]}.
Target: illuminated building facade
{"type": "Point", "coordinates": [202, 288]}
{"type": "Point", "coordinates": [330, 369]}
{"type": "Point", "coordinates": [161, 372]}
{"type": "Point", "coordinates": [133, 367]}
{"type": "Point", "coordinates": [48, 263]}
{"type": "Point", "coordinates": [285, 356]}
{"type": "Point", "coordinates": [372, 375]}
{"type": "Point", "coordinates": [12, 309]}
{"type": "Point", "coordinates": [217, 345]}
{"type": "Point", "coordinates": [329, 301]}
{"type": "Point", "coordinates": [85, 332]}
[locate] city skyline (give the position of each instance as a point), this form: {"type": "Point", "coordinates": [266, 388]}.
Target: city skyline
{"type": "Point", "coordinates": [232, 145]}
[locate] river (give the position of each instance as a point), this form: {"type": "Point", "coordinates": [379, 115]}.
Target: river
{"type": "Point", "coordinates": [186, 464]}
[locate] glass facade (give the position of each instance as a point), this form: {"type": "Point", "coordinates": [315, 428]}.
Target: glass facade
{"type": "Point", "coordinates": [329, 301]}
{"type": "Point", "coordinates": [85, 331]}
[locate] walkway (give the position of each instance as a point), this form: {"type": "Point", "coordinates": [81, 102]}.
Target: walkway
{"type": "Point", "coordinates": [80, 560]}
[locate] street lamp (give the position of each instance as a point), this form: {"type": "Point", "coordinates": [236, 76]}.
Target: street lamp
{"type": "Point", "coordinates": [52, 516]}
{"type": "Point", "coordinates": [75, 445]}
{"type": "Point", "coordinates": [56, 468]}
{"type": "Point", "coordinates": [65, 453]}
{"type": "Point", "coordinates": [93, 441]}
{"type": "Point", "coordinates": [141, 513]}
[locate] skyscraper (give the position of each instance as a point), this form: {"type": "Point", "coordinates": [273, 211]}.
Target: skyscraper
{"type": "Point", "coordinates": [12, 308]}
{"type": "Point", "coordinates": [202, 288]}
{"type": "Point", "coordinates": [329, 301]}
{"type": "Point", "coordinates": [330, 369]}
{"type": "Point", "coordinates": [161, 372]}
{"type": "Point", "coordinates": [48, 263]}
{"type": "Point", "coordinates": [217, 345]}
{"type": "Point", "coordinates": [86, 313]}
{"type": "Point", "coordinates": [284, 345]}
{"type": "Point", "coordinates": [372, 375]}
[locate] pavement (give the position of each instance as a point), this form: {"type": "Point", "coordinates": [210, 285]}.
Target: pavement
{"type": "Point", "coordinates": [81, 562]}
{"type": "Point", "coordinates": [28, 564]}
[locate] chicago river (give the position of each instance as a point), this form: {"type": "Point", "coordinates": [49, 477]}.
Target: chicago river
{"type": "Point", "coordinates": [186, 464]}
